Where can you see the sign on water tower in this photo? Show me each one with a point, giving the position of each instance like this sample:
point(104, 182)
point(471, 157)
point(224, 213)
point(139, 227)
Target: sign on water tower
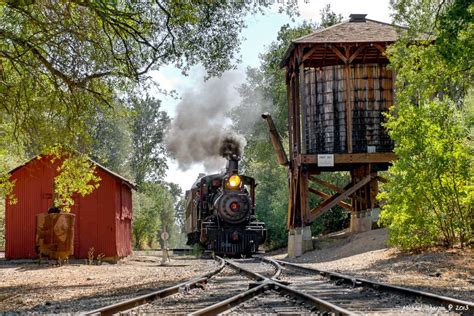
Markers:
point(325, 160)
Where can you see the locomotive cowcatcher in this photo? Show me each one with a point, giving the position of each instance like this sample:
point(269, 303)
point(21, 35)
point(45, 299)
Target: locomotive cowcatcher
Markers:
point(220, 213)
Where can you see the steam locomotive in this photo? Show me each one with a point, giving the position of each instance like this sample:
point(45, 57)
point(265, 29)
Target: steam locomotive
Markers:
point(220, 213)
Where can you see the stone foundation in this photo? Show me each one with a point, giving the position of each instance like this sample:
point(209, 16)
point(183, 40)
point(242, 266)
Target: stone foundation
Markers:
point(307, 239)
point(299, 241)
point(295, 242)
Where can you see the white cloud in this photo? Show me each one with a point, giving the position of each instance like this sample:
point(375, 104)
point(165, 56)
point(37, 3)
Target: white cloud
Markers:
point(167, 80)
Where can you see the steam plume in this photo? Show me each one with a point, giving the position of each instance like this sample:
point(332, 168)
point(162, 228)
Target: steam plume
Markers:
point(198, 133)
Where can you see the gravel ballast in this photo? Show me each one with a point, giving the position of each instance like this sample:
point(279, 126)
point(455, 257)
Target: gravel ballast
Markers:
point(27, 287)
point(366, 255)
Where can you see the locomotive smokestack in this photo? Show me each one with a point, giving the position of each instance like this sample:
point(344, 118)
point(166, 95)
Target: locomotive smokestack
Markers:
point(233, 164)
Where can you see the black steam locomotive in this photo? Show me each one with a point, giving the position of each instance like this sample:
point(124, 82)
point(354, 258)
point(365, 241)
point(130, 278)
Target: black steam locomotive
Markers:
point(220, 213)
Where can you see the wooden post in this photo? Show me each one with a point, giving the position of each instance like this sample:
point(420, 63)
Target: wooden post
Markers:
point(304, 198)
point(303, 114)
point(297, 118)
point(348, 104)
point(363, 199)
point(289, 89)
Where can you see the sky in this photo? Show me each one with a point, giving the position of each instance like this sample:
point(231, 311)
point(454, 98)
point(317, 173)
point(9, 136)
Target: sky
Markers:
point(260, 32)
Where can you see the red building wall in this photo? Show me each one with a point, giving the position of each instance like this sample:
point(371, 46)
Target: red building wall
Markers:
point(103, 218)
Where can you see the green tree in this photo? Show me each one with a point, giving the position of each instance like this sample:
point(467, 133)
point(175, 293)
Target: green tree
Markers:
point(179, 238)
point(177, 227)
point(146, 220)
point(153, 210)
point(62, 59)
point(111, 140)
point(428, 199)
point(329, 18)
point(76, 174)
point(148, 125)
point(63, 64)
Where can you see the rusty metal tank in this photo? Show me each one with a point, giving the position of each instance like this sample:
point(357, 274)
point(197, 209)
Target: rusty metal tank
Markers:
point(55, 235)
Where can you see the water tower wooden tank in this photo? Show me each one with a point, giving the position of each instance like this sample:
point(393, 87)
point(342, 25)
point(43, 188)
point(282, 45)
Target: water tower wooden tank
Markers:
point(339, 87)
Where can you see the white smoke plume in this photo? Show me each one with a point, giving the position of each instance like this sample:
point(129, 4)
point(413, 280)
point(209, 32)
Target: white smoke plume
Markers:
point(199, 132)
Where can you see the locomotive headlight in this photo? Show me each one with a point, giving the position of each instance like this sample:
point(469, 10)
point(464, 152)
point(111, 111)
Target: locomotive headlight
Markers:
point(234, 181)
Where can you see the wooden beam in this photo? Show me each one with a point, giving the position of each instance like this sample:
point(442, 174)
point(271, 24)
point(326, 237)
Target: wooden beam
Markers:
point(304, 197)
point(348, 105)
point(325, 196)
point(297, 117)
point(339, 54)
point(326, 184)
point(289, 97)
point(276, 140)
point(380, 48)
point(302, 117)
point(309, 53)
point(333, 187)
point(324, 55)
point(338, 197)
point(353, 158)
point(356, 53)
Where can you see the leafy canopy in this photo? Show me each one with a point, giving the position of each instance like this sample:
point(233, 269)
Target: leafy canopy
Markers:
point(428, 198)
point(65, 64)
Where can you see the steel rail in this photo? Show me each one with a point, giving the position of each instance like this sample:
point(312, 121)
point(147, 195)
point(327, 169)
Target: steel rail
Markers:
point(321, 304)
point(253, 275)
point(268, 284)
point(450, 303)
point(234, 300)
point(143, 299)
point(278, 268)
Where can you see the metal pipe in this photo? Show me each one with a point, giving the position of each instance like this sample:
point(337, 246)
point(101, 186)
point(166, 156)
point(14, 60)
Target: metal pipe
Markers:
point(276, 140)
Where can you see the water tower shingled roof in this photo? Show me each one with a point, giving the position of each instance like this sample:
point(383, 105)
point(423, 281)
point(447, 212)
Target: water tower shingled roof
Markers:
point(357, 29)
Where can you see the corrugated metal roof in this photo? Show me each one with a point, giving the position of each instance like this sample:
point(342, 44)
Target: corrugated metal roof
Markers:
point(129, 182)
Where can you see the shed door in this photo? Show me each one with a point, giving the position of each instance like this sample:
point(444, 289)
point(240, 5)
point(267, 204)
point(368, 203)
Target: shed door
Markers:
point(124, 229)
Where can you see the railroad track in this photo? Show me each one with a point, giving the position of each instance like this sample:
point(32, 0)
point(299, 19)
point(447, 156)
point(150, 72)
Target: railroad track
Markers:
point(259, 285)
point(368, 297)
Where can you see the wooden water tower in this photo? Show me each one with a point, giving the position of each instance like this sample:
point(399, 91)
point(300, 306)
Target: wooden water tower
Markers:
point(339, 87)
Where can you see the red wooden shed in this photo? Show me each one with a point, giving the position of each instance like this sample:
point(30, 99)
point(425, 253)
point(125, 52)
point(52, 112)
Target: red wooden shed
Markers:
point(103, 218)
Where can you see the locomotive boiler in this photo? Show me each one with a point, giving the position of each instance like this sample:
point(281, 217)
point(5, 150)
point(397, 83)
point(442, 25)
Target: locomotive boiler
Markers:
point(220, 213)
